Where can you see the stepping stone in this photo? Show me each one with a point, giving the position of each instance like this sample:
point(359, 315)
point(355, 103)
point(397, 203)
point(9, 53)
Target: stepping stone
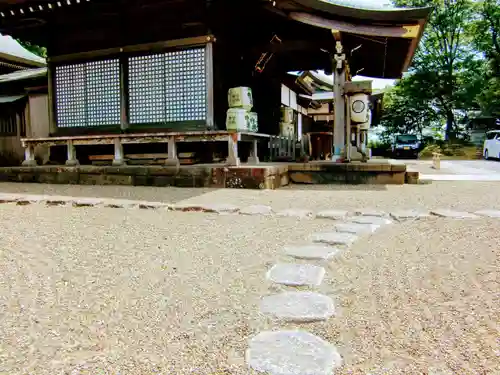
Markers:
point(298, 306)
point(257, 210)
point(335, 238)
point(296, 274)
point(86, 202)
point(312, 252)
point(332, 214)
point(371, 212)
point(292, 353)
point(355, 228)
point(409, 214)
point(374, 220)
point(454, 214)
point(489, 213)
point(297, 213)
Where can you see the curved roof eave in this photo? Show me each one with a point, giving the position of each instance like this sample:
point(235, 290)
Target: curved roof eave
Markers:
point(391, 15)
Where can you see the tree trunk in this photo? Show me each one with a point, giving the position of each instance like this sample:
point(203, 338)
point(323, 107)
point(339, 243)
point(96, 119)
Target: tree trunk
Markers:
point(450, 120)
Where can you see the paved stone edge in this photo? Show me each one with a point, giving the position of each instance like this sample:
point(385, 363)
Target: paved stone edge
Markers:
point(222, 208)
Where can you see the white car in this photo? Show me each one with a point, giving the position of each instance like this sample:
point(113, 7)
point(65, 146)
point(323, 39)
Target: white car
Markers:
point(491, 148)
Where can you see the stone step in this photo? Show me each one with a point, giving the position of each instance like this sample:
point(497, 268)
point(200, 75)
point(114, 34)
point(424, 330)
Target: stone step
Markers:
point(296, 274)
point(312, 252)
point(298, 306)
point(292, 353)
point(355, 228)
point(335, 238)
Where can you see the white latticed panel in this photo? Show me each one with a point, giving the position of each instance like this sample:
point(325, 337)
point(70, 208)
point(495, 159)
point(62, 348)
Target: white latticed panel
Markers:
point(70, 95)
point(88, 95)
point(168, 87)
point(103, 92)
point(147, 89)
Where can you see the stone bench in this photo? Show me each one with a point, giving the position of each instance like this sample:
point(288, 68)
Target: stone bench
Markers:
point(171, 138)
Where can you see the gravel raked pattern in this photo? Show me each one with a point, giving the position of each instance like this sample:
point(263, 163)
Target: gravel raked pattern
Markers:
point(89, 290)
point(89, 300)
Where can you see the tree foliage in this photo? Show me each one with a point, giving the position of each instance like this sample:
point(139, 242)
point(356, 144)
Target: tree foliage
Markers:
point(37, 50)
point(455, 69)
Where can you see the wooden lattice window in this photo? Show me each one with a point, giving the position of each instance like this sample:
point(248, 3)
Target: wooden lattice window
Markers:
point(168, 87)
point(88, 94)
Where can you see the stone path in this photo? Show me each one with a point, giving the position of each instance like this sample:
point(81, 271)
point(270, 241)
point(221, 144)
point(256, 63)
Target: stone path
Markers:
point(361, 216)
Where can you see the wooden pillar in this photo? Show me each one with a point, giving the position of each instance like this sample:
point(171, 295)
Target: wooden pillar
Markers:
point(51, 98)
point(209, 72)
point(124, 94)
point(339, 76)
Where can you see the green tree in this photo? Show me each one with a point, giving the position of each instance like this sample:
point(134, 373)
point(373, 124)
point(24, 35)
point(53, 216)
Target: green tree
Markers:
point(37, 50)
point(407, 110)
point(445, 61)
point(485, 33)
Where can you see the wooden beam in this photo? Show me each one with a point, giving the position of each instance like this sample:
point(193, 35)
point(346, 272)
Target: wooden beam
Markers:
point(147, 47)
point(413, 47)
point(404, 31)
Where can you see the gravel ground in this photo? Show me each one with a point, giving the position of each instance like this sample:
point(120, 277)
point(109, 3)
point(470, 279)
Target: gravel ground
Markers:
point(139, 292)
point(463, 195)
point(133, 291)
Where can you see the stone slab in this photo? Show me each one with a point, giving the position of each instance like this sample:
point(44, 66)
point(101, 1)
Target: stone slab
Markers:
point(409, 214)
point(355, 228)
point(335, 238)
point(489, 213)
point(312, 252)
point(332, 214)
point(298, 306)
point(145, 205)
point(86, 202)
point(292, 353)
point(220, 208)
point(256, 210)
point(8, 198)
point(296, 274)
point(374, 220)
point(454, 214)
point(120, 203)
point(296, 213)
point(371, 212)
point(28, 199)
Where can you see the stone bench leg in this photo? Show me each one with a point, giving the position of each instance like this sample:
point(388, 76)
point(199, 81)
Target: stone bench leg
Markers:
point(29, 156)
point(119, 158)
point(232, 148)
point(172, 153)
point(72, 160)
point(254, 155)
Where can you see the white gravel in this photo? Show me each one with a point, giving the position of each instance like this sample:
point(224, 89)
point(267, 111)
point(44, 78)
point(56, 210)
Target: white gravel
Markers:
point(460, 195)
point(105, 290)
